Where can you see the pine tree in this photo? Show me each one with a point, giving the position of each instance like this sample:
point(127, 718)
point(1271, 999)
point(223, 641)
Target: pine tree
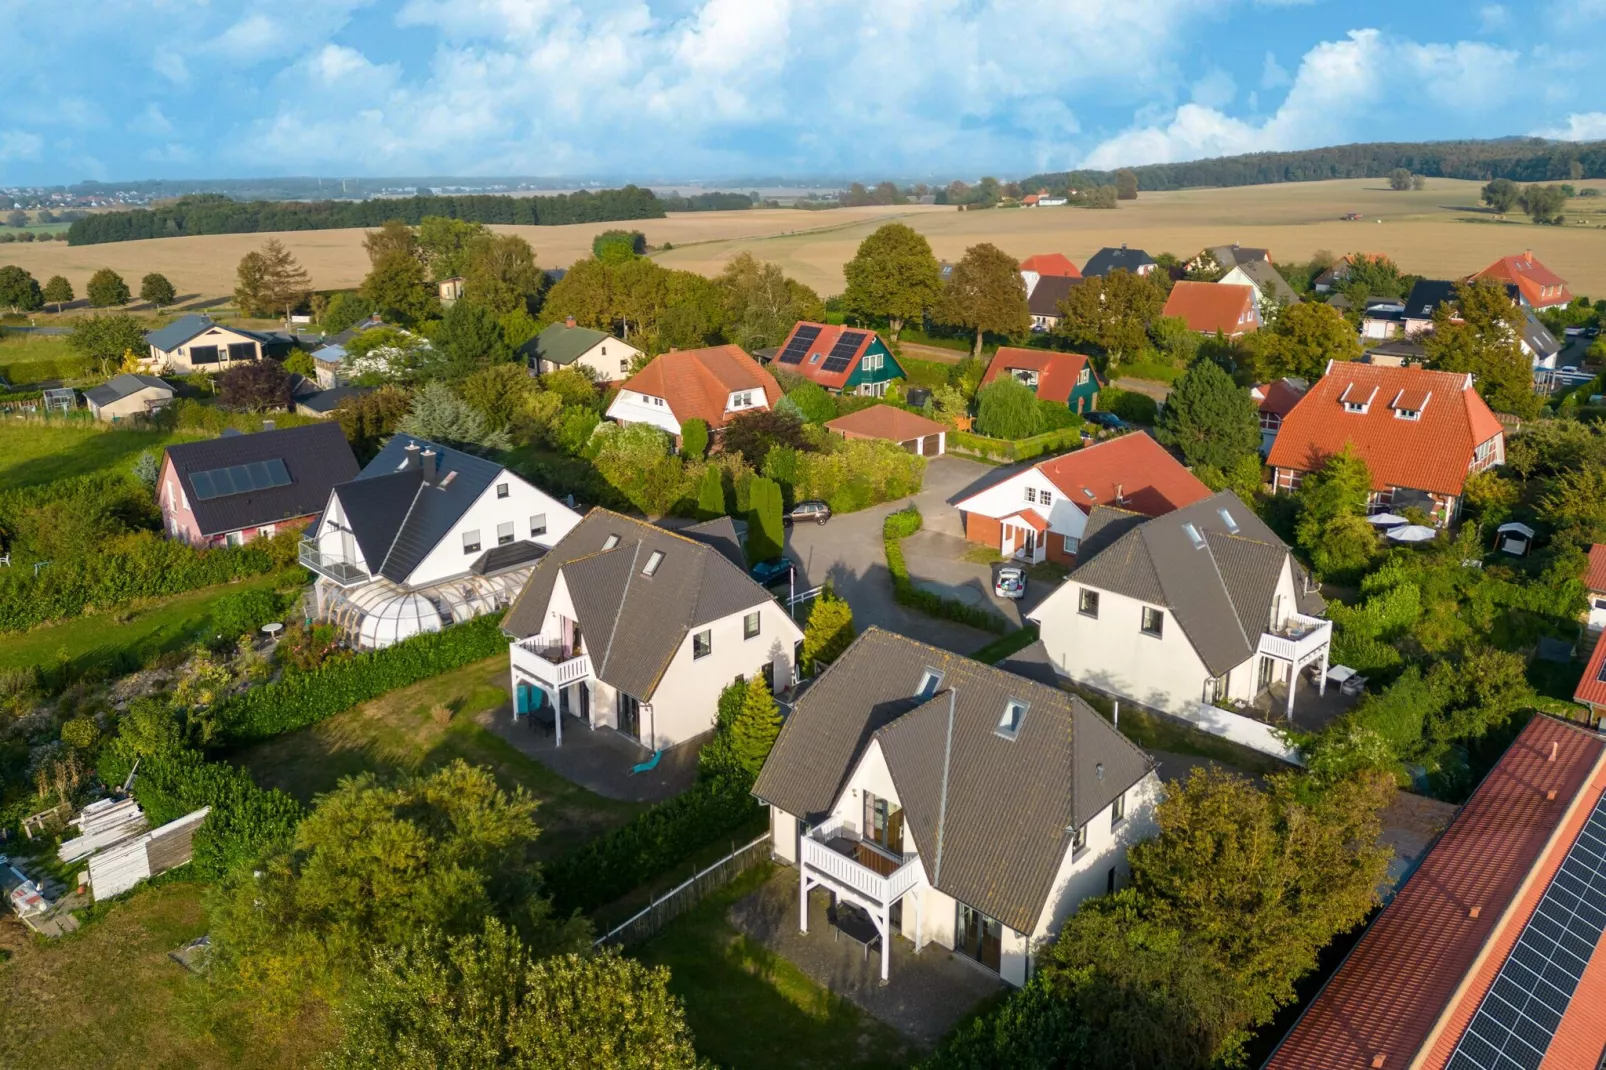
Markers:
point(755, 727)
point(711, 494)
point(1210, 418)
point(766, 536)
point(828, 633)
point(694, 438)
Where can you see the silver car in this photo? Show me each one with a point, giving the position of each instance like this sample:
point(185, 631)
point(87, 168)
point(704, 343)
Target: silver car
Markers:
point(1010, 582)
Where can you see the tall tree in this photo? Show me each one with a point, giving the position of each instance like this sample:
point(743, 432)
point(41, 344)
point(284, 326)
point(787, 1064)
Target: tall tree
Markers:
point(1112, 313)
point(154, 289)
point(251, 284)
point(1126, 185)
point(1332, 525)
point(107, 339)
point(440, 415)
point(256, 386)
point(894, 275)
point(829, 631)
point(766, 536)
point(985, 294)
point(398, 289)
point(1305, 337)
point(58, 291)
point(499, 272)
point(711, 494)
point(755, 726)
point(285, 283)
point(471, 338)
point(443, 243)
point(1545, 204)
point(107, 288)
point(1211, 419)
point(1502, 195)
point(613, 246)
point(1399, 179)
point(1006, 408)
point(1480, 333)
point(20, 290)
point(394, 238)
point(761, 303)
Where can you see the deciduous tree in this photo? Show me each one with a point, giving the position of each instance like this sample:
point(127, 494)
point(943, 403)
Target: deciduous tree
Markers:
point(255, 386)
point(893, 275)
point(1545, 204)
point(613, 246)
point(762, 304)
point(58, 291)
point(1332, 525)
point(1502, 195)
point(107, 288)
point(1126, 185)
point(369, 419)
point(1112, 313)
point(394, 237)
point(499, 272)
point(1481, 333)
point(398, 289)
point(1305, 337)
point(470, 338)
point(154, 289)
point(985, 293)
point(1399, 179)
point(1006, 408)
point(20, 290)
point(752, 434)
point(106, 338)
point(443, 242)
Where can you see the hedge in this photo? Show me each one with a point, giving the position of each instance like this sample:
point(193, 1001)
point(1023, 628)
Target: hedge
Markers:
point(899, 526)
point(299, 699)
point(137, 565)
point(611, 865)
point(1019, 449)
point(35, 369)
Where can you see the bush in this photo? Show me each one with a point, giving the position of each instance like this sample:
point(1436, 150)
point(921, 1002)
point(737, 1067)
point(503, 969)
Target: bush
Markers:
point(854, 474)
point(235, 615)
point(1129, 405)
point(1006, 408)
point(828, 633)
point(299, 699)
point(899, 526)
point(1022, 449)
point(694, 439)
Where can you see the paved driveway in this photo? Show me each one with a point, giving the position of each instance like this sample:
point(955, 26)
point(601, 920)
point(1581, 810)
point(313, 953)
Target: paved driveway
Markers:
point(847, 553)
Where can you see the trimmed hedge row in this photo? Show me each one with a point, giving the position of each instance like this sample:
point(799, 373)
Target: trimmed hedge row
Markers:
point(629, 856)
point(1019, 449)
point(899, 526)
point(299, 699)
point(33, 370)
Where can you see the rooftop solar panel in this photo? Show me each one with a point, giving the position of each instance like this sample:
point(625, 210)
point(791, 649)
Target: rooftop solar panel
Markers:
point(848, 344)
point(240, 478)
point(836, 364)
point(1517, 1020)
point(798, 346)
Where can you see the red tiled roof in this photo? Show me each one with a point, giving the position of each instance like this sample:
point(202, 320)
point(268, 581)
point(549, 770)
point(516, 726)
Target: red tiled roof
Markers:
point(1051, 264)
point(1030, 519)
point(1432, 453)
point(696, 383)
point(1591, 688)
point(1056, 372)
point(1208, 307)
point(1278, 398)
point(814, 360)
point(1531, 277)
point(1149, 479)
point(1422, 967)
point(1595, 574)
point(886, 421)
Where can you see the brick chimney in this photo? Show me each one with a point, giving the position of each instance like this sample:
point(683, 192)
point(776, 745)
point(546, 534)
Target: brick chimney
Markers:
point(428, 458)
point(568, 321)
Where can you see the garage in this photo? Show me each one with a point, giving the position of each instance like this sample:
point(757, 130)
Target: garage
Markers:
point(913, 432)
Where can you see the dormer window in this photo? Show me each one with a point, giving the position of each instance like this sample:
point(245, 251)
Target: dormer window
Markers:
point(1354, 401)
point(1408, 414)
point(1014, 713)
point(653, 562)
point(930, 681)
point(742, 400)
point(610, 542)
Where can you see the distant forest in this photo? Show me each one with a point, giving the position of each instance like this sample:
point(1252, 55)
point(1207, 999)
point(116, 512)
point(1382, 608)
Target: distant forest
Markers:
point(214, 213)
point(1521, 160)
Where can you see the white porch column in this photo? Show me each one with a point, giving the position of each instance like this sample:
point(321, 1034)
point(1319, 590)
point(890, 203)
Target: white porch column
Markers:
point(884, 924)
point(1321, 680)
point(1293, 680)
point(920, 921)
point(557, 715)
point(803, 894)
point(513, 678)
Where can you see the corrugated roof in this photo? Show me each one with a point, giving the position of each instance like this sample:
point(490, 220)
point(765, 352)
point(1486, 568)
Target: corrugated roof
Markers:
point(888, 422)
point(1432, 453)
point(697, 383)
point(996, 852)
point(633, 624)
point(1131, 470)
point(1209, 307)
point(1407, 972)
point(316, 457)
point(1056, 372)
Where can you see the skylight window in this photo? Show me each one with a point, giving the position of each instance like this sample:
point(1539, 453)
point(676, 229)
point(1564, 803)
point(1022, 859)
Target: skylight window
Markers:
point(1226, 518)
point(610, 542)
point(1194, 536)
point(1014, 713)
point(930, 680)
point(653, 562)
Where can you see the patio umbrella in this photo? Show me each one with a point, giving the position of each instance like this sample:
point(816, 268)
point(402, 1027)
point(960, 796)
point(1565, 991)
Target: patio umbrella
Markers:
point(1386, 520)
point(1412, 533)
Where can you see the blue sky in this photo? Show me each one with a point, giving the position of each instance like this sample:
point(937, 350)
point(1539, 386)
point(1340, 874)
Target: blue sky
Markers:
point(688, 89)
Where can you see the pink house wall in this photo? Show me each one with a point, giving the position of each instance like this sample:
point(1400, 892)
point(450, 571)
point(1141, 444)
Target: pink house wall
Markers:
point(178, 519)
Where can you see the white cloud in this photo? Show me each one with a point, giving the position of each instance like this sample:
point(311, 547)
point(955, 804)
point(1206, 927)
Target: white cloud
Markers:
point(152, 123)
point(1493, 17)
point(1585, 126)
point(249, 38)
point(20, 145)
point(170, 65)
point(1215, 90)
point(1272, 74)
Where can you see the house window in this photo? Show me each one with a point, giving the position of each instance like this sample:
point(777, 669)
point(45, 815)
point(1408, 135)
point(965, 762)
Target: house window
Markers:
point(1408, 414)
point(537, 525)
point(1031, 494)
point(203, 354)
point(242, 351)
point(743, 400)
point(1079, 840)
point(1088, 603)
point(624, 366)
point(471, 541)
point(501, 490)
point(1153, 621)
point(702, 644)
point(751, 625)
point(504, 533)
point(1118, 811)
point(658, 401)
point(1081, 377)
point(1014, 713)
point(1045, 497)
point(653, 562)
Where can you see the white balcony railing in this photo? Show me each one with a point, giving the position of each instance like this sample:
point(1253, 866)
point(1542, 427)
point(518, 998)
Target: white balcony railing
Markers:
point(1299, 640)
point(332, 566)
point(549, 662)
point(849, 873)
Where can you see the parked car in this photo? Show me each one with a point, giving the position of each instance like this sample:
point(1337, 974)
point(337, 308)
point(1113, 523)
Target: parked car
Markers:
point(815, 510)
point(1108, 420)
point(1010, 582)
point(769, 573)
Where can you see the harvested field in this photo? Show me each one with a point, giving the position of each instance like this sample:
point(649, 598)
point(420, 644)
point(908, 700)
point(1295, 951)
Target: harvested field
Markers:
point(1440, 231)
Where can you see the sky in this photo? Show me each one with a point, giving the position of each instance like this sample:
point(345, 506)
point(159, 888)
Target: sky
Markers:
point(689, 90)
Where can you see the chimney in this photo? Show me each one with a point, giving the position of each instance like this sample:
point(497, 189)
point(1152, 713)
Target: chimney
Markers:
point(1553, 746)
point(1120, 499)
point(1377, 1061)
point(568, 321)
point(1528, 255)
point(1474, 912)
point(410, 458)
point(428, 458)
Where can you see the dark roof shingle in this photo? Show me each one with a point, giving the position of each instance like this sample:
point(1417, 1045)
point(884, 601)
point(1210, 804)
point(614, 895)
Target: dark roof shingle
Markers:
point(317, 458)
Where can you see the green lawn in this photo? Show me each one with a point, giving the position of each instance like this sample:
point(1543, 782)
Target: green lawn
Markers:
point(927, 373)
point(750, 1009)
point(1161, 733)
point(144, 630)
point(1155, 371)
point(422, 727)
point(32, 451)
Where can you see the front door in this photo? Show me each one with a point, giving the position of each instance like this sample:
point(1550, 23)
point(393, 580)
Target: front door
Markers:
point(1028, 546)
point(978, 937)
point(1268, 666)
point(628, 709)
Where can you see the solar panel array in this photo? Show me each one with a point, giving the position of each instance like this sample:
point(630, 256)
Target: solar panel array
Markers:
point(1518, 1017)
point(841, 355)
point(221, 482)
point(798, 347)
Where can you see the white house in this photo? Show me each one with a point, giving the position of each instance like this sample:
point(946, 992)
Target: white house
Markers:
point(627, 626)
point(426, 536)
point(196, 343)
point(714, 385)
point(1201, 605)
point(952, 802)
point(566, 345)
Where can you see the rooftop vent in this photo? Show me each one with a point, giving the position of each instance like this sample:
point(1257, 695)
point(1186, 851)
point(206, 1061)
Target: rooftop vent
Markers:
point(1098, 771)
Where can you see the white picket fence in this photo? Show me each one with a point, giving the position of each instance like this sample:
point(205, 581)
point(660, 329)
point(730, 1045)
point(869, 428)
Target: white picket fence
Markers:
point(681, 898)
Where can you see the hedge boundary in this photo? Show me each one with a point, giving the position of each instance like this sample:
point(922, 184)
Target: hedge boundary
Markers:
point(899, 526)
point(1019, 449)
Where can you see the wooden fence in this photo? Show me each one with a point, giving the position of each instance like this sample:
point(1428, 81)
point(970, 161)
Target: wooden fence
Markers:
point(675, 902)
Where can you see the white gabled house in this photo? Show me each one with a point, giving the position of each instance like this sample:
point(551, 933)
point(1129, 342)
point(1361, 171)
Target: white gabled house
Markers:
point(1198, 606)
point(426, 536)
point(628, 626)
point(952, 802)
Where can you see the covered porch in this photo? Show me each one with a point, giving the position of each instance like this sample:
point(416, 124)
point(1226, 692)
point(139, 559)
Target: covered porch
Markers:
point(1285, 652)
point(1024, 537)
point(871, 877)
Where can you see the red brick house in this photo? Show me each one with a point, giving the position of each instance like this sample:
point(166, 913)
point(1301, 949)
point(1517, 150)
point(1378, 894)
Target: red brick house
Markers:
point(229, 490)
point(1420, 432)
point(1274, 401)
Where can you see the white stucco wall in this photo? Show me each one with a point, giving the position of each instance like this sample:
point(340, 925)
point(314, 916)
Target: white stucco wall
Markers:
point(524, 500)
point(1009, 497)
point(177, 359)
point(604, 358)
point(783, 835)
point(630, 407)
point(1086, 873)
point(331, 542)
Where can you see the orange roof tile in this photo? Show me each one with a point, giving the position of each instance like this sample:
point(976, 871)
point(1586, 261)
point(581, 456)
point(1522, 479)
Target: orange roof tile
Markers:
point(1030, 519)
point(1208, 307)
point(1531, 277)
point(1431, 453)
point(1591, 688)
point(1132, 471)
point(697, 383)
point(1051, 264)
point(1056, 372)
point(813, 363)
point(1412, 983)
point(1595, 574)
point(886, 421)
point(1279, 397)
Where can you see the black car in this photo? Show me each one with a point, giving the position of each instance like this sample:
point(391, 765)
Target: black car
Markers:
point(816, 511)
point(770, 573)
point(1108, 420)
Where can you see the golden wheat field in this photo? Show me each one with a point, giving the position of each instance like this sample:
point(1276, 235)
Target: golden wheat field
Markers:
point(1439, 231)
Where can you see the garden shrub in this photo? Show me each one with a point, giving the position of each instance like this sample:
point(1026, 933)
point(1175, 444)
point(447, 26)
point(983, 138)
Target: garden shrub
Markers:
point(1129, 405)
point(899, 526)
point(854, 474)
point(243, 613)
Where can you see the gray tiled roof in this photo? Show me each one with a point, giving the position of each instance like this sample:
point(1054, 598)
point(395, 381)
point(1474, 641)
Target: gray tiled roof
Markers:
point(1264, 274)
point(1110, 259)
point(179, 331)
point(633, 624)
point(991, 816)
point(317, 458)
point(1219, 593)
point(119, 387)
point(1048, 293)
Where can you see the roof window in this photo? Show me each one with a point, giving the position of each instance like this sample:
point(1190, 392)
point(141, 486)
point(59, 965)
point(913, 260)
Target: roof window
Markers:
point(1014, 713)
point(1194, 536)
point(930, 680)
point(653, 562)
point(610, 542)
point(1226, 518)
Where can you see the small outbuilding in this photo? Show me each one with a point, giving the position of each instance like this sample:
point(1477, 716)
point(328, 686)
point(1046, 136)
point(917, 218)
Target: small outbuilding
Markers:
point(123, 396)
point(1514, 538)
point(928, 438)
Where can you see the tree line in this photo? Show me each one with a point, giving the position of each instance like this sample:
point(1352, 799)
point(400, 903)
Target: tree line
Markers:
point(212, 213)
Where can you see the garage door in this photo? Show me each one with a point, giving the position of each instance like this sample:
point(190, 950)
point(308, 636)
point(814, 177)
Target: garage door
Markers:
point(931, 444)
point(912, 445)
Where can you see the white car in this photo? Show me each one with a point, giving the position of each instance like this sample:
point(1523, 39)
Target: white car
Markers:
point(1010, 582)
